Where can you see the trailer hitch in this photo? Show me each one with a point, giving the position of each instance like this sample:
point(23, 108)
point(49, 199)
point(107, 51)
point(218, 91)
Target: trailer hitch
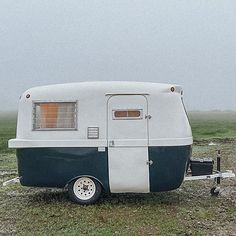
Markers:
point(217, 176)
point(11, 181)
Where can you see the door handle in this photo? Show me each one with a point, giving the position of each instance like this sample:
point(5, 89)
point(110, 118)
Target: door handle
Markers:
point(149, 162)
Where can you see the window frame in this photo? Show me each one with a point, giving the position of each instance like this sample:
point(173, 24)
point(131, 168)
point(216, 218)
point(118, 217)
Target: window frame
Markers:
point(127, 118)
point(54, 129)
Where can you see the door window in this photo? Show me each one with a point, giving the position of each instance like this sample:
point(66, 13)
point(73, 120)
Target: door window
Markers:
point(130, 114)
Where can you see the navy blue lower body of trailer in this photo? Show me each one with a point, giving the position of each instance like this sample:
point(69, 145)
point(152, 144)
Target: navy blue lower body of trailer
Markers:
point(56, 167)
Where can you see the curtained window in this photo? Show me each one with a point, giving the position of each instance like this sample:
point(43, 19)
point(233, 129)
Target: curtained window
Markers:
point(55, 115)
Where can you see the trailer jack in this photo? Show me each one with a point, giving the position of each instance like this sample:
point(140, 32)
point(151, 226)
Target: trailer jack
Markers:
point(217, 176)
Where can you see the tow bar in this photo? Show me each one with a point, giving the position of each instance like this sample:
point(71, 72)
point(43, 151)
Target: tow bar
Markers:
point(217, 176)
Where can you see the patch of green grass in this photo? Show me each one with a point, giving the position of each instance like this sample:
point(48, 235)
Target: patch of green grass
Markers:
point(211, 125)
point(7, 131)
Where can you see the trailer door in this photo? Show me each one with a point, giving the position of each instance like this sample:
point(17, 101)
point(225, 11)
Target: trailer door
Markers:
point(128, 143)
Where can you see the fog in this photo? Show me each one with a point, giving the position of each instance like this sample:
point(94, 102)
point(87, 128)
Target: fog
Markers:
point(192, 43)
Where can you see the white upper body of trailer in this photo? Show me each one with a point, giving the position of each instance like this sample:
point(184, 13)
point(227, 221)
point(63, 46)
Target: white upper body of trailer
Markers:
point(169, 125)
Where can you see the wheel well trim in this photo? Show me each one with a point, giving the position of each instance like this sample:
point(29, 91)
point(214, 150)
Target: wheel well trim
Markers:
point(80, 176)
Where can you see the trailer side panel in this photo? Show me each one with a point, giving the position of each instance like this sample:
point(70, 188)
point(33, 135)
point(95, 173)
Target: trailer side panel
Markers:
point(168, 168)
point(54, 167)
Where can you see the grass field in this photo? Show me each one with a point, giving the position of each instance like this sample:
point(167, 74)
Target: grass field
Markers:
point(208, 125)
point(189, 210)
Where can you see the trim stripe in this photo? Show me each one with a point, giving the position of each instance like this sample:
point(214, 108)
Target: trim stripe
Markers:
point(26, 143)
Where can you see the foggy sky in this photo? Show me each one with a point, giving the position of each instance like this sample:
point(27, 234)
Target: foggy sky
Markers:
point(192, 43)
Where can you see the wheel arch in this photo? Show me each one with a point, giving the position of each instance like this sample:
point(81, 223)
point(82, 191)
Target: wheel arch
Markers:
point(80, 176)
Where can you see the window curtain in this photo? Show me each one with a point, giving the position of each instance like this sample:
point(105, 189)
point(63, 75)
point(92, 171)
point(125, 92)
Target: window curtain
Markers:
point(48, 115)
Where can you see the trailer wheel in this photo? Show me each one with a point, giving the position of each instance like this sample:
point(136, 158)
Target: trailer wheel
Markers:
point(215, 191)
point(84, 190)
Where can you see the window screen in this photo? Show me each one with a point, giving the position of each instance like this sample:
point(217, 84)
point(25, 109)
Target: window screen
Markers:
point(55, 115)
point(127, 114)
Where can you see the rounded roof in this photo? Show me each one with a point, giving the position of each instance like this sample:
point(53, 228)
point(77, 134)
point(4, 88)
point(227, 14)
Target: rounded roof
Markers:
point(106, 87)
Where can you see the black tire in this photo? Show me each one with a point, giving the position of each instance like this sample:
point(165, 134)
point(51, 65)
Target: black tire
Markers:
point(84, 190)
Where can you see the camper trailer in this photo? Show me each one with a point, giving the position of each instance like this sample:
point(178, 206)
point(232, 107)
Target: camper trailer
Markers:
point(115, 137)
